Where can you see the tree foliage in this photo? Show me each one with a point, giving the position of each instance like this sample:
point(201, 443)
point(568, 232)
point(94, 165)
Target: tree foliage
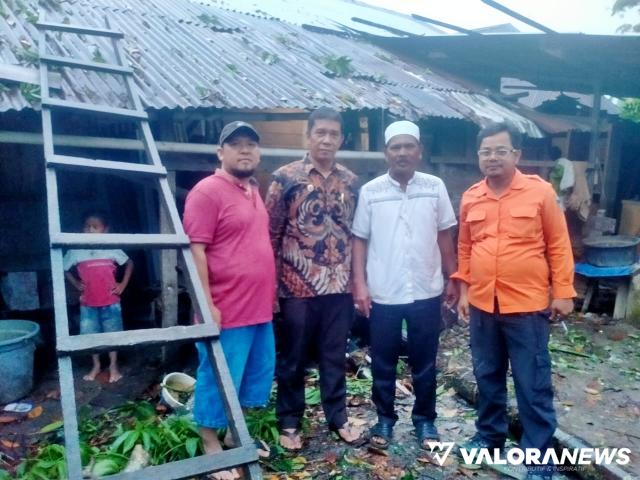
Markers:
point(631, 109)
point(624, 7)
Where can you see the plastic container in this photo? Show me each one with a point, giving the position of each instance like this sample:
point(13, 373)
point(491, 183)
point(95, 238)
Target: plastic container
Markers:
point(611, 251)
point(176, 384)
point(17, 344)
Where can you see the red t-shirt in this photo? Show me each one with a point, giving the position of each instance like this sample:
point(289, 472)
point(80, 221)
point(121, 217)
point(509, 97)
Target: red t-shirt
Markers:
point(96, 269)
point(234, 224)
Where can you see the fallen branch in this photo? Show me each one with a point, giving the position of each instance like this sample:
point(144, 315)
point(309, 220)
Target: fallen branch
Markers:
point(570, 352)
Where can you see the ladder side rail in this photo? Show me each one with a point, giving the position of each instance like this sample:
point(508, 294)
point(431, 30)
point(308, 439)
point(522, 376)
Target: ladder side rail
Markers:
point(65, 367)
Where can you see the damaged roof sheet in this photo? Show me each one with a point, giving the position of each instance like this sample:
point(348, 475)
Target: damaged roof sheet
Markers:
point(193, 55)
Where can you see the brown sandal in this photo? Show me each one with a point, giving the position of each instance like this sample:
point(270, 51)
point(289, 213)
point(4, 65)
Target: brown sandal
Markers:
point(293, 436)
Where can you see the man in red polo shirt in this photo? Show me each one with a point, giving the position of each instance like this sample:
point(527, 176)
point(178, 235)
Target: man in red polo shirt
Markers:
point(228, 226)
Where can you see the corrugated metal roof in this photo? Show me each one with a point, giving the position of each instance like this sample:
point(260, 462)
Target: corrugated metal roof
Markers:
point(535, 98)
point(192, 55)
point(331, 14)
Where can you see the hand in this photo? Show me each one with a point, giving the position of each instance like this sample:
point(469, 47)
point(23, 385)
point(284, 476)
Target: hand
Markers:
point(80, 286)
point(361, 298)
point(117, 289)
point(560, 307)
point(451, 294)
point(463, 309)
point(215, 313)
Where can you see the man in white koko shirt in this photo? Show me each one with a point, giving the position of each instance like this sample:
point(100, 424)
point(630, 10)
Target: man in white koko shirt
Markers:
point(402, 240)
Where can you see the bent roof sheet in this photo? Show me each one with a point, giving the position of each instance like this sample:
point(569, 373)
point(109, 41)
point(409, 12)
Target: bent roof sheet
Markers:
point(191, 55)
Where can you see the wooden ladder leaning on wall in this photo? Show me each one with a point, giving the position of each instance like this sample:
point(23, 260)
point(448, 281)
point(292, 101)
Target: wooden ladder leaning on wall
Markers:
point(245, 455)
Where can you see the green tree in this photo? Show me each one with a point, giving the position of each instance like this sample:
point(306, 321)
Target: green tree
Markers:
point(623, 7)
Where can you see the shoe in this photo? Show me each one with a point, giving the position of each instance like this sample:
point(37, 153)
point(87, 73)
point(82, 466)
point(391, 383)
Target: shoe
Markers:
point(477, 442)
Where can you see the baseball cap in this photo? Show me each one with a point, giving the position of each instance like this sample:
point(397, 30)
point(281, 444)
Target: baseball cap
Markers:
point(230, 129)
point(403, 127)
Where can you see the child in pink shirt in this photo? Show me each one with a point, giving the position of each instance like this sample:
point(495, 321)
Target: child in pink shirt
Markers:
point(100, 309)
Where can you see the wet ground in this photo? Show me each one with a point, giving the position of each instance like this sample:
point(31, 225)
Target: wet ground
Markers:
point(596, 365)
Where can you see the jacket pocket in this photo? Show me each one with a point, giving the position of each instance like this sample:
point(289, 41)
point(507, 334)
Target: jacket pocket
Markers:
point(524, 222)
point(477, 224)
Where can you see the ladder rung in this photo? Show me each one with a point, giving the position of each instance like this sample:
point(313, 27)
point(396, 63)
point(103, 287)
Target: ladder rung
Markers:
point(87, 107)
point(104, 342)
point(118, 240)
point(63, 27)
point(83, 164)
point(97, 66)
point(191, 467)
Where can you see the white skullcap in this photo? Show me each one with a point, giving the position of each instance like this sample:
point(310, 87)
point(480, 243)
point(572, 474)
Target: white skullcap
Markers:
point(403, 127)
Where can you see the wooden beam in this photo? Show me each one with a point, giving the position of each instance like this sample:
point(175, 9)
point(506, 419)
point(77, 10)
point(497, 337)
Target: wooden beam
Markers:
point(165, 147)
point(105, 342)
point(95, 108)
point(118, 240)
point(20, 74)
point(78, 29)
point(96, 165)
point(168, 275)
point(192, 467)
point(84, 65)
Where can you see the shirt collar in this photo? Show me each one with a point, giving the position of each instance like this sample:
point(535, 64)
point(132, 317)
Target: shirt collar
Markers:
point(396, 183)
point(517, 183)
point(233, 180)
point(308, 165)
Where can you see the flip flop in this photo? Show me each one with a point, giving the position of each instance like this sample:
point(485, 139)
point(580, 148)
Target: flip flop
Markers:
point(292, 436)
point(356, 442)
point(384, 433)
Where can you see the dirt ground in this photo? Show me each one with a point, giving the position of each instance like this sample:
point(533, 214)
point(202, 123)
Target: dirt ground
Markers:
point(596, 376)
point(596, 366)
point(19, 431)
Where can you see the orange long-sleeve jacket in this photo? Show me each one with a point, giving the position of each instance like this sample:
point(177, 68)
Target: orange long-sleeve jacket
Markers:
point(514, 248)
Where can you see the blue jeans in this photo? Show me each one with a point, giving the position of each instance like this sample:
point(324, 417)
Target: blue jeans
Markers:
point(100, 319)
point(250, 354)
point(423, 335)
point(521, 340)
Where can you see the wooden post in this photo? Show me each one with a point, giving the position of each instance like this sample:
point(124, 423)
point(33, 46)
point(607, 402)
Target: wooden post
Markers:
point(169, 275)
point(594, 144)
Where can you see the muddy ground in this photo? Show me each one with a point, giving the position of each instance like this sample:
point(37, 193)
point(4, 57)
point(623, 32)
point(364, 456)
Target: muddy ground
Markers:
point(596, 365)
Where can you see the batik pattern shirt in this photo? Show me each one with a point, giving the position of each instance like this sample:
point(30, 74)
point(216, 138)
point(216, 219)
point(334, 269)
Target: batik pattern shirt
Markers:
point(310, 227)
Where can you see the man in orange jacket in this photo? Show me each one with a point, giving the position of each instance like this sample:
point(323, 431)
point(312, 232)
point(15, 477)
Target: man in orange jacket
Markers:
point(514, 254)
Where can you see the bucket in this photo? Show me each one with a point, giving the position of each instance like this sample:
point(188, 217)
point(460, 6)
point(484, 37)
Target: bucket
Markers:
point(17, 344)
point(611, 251)
point(177, 391)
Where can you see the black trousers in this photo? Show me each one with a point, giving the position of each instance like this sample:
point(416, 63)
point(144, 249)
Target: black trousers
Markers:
point(423, 335)
point(319, 324)
point(521, 339)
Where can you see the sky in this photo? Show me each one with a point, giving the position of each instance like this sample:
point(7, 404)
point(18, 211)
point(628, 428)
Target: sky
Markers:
point(585, 16)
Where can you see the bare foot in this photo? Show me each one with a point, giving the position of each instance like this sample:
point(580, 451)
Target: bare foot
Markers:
point(290, 439)
point(114, 375)
point(264, 451)
point(91, 376)
point(212, 445)
point(349, 433)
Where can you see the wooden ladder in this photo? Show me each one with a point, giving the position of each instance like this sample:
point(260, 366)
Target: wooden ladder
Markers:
point(245, 455)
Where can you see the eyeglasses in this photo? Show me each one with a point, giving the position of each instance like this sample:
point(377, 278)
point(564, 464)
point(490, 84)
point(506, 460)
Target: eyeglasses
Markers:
point(498, 152)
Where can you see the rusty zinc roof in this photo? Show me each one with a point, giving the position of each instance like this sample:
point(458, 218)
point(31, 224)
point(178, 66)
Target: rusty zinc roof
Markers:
point(194, 55)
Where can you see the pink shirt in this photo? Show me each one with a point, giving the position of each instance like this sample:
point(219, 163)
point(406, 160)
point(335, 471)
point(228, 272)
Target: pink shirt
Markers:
point(233, 222)
point(96, 269)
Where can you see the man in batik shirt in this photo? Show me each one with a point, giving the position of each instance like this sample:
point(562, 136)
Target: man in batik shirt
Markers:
point(311, 203)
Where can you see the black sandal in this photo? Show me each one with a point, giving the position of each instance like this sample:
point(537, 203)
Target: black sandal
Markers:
point(426, 431)
point(383, 432)
point(356, 442)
